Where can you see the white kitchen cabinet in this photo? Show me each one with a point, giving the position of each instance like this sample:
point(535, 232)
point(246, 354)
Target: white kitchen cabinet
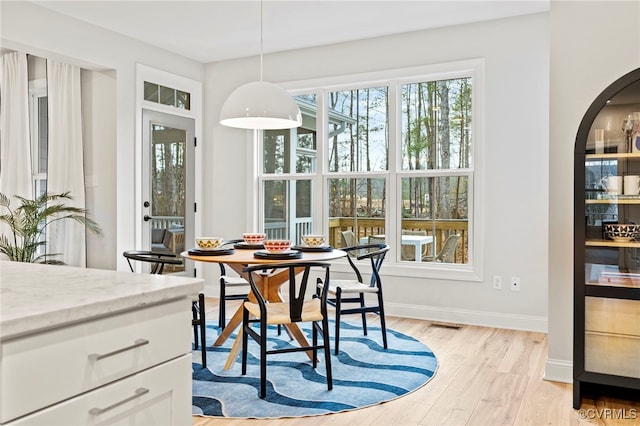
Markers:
point(125, 360)
point(156, 396)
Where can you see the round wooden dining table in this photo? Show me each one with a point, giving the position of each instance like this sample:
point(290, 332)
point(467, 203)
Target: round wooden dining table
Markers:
point(268, 283)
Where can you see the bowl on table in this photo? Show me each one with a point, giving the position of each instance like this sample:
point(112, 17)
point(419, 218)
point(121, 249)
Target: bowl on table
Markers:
point(253, 237)
point(209, 243)
point(277, 246)
point(313, 240)
point(622, 231)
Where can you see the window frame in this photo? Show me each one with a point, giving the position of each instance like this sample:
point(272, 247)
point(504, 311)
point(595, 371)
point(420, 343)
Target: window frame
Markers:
point(37, 90)
point(394, 79)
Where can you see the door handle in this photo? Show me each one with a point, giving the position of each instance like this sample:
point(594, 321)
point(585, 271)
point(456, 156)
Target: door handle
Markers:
point(147, 218)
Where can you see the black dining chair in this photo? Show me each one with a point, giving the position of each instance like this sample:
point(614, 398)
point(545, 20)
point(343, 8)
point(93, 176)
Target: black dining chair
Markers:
point(301, 305)
point(228, 281)
point(352, 291)
point(157, 262)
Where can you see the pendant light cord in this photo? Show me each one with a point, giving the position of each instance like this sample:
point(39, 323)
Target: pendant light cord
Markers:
point(261, 42)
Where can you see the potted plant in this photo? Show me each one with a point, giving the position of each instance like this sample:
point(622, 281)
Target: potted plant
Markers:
point(29, 221)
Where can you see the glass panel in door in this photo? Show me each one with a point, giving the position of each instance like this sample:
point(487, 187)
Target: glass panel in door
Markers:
point(170, 184)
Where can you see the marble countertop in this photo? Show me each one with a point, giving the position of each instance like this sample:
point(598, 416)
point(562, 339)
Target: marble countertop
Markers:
point(35, 297)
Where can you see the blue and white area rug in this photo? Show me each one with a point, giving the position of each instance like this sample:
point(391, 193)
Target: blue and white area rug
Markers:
point(364, 374)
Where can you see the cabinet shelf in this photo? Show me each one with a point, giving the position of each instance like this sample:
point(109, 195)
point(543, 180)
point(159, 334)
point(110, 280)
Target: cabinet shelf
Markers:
point(613, 156)
point(611, 243)
point(614, 201)
point(595, 288)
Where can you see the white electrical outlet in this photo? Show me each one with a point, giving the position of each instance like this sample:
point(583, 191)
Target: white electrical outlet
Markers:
point(497, 282)
point(515, 283)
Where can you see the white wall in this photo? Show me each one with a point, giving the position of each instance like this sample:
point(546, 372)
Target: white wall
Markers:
point(99, 136)
point(32, 29)
point(592, 45)
point(516, 53)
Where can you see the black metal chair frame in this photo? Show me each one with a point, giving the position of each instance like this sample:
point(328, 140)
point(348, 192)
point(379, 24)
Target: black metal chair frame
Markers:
point(157, 261)
point(298, 286)
point(376, 254)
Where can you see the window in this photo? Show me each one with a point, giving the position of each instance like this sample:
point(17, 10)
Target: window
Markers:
point(394, 159)
point(358, 163)
point(39, 137)
point(39, 134)
point(288, 203)
point(437, 165)
point(166, 96)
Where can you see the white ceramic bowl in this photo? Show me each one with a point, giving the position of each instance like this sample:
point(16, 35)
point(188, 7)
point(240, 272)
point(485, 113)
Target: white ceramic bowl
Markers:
point(253, 237)
point(313, 240)
point(277, 246)
point(622, 231)
point(209, 243)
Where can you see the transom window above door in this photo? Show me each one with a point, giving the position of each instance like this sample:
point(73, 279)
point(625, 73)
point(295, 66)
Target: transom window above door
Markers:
point(166, 95)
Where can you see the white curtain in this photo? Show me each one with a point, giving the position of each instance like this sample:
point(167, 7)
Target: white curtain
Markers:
point(65, 160)
point(15, 148)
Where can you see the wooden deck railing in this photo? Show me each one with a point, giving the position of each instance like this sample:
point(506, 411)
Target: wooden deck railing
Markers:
point(441, 228)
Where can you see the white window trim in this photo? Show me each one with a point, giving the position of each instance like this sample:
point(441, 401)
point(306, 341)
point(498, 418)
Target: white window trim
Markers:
point(37, 89)
point(474, 68)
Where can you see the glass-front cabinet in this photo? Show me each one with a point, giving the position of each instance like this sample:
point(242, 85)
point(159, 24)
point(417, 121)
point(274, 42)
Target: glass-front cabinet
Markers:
point(607, 244)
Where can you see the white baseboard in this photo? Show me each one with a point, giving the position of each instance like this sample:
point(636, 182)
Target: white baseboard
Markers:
point(462, 316)
point(558, 370)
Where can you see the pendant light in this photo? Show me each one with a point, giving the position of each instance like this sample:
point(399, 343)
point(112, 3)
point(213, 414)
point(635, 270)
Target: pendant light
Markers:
point(260, 105)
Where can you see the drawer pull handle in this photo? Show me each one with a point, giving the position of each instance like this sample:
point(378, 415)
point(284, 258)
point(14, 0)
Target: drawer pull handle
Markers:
point(137, 344)
point(138, 393)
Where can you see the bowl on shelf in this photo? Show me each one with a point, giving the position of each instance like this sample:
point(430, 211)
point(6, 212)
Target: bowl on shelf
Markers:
point(622, 231)
point(253, 237)
point(313, 240)
point(277, 246)
point(209, 243)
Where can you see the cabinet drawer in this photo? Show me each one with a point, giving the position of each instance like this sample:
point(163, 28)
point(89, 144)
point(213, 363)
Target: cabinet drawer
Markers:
point(618, 316)
point(41, 369)
point(158, 396)
point(612, 354)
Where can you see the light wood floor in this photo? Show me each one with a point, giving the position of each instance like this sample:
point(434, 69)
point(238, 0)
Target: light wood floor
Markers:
point(486, 376)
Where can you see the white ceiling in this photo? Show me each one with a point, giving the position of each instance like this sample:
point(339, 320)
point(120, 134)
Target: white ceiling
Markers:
point(215, 30)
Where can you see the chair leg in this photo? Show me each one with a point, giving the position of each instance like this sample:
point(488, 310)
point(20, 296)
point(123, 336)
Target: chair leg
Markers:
point(338, 307)
point(327, 352)
point(314, 343)
point(363, 314)
point(222, 302)
point(263, 358)
point(194, 315)
point(245, 339)
point(383, 325)
point(203, 330)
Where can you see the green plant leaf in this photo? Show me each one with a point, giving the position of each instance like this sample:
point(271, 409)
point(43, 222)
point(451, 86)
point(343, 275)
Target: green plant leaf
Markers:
point(29, 221)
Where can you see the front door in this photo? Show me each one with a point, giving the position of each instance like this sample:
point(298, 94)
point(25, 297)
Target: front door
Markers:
point(168, 183)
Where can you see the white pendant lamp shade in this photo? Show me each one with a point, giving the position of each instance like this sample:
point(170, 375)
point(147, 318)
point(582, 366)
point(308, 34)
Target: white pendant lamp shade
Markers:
point(260, 105)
